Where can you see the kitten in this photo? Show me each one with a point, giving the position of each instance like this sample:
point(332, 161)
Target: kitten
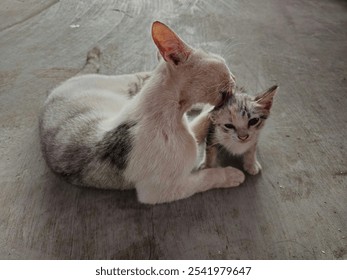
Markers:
point(235, 125)
point(94, 135)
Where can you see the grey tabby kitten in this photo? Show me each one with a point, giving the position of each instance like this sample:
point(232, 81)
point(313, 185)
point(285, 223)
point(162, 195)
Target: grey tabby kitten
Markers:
point(236, 126)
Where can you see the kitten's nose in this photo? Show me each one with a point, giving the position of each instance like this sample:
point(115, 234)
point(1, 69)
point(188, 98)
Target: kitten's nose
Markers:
point(243, 137)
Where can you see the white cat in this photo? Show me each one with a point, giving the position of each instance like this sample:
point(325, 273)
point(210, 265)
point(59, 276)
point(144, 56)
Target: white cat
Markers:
point(94, 135)
point(235, 125)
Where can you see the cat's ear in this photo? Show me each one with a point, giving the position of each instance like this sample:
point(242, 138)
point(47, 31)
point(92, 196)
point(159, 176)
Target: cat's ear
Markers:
point(212, 115)
point(265, 99)
point(170, 46)
point(159, 57)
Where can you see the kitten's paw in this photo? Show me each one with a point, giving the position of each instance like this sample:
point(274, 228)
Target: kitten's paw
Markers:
point(252, 168)
point(234, 177)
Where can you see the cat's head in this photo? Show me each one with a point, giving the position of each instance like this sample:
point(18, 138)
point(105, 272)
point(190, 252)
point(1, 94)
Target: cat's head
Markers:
point(201, 76)
point(241, 118)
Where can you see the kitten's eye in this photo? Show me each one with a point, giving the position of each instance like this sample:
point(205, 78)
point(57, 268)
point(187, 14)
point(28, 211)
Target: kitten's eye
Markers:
point(229, 126)
point(253, 121)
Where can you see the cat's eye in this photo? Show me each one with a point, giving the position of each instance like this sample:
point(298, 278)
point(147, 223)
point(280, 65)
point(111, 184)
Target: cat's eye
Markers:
point(229, 126)
point(253, 121)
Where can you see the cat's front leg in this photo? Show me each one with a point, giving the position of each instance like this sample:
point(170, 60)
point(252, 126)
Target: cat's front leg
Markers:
point(250, 162)
point(199, 181)
point(210, 158)
point(200, 126)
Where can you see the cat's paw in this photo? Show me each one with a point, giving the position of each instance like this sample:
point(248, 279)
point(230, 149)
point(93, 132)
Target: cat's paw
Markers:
point(252, 168)
point(202, 165)
point(234, 177)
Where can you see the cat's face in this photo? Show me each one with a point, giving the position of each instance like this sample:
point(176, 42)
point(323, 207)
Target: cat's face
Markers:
point(240, 120)
point(210, 80)
point(200, 76)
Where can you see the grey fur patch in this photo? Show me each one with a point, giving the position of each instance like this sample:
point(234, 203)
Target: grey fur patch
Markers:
point(117, 144)
point(74, 159)
point(69, 160)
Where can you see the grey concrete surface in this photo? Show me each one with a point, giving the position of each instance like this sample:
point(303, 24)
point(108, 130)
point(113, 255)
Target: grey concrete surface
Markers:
point(295, 209)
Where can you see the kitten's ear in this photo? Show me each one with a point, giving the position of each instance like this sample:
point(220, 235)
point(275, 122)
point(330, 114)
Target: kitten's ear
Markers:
point(265, 99)
point(170, 46)
point(212, 116)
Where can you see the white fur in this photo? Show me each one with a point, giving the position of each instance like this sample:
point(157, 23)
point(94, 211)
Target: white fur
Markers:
point(161, 163)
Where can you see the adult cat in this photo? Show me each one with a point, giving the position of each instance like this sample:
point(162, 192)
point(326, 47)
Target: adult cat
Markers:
point(93, 135)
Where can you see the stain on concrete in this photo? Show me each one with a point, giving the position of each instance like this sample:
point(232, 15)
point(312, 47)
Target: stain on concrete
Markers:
point(7, 78)
point(56, 73)
point(143, 249)
point(340, 253)
point(235, 213)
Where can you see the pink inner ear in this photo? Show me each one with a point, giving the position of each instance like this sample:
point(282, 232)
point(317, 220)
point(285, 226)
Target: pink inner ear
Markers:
point(174, 58)
point(174, 51)
point(162, 53)
point(267, 105)
point(170, 46)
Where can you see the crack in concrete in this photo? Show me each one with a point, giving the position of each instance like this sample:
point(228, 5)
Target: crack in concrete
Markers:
point(151, 243)
point(123, 12)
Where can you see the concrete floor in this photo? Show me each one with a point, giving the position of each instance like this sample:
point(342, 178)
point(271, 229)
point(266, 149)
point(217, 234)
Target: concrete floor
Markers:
point(297, 207)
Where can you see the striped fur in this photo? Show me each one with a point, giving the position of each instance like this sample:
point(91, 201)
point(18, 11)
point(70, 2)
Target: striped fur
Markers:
point(236, 126)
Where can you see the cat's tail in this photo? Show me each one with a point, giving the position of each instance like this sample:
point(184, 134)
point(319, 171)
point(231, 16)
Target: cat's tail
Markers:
point(92, 65)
